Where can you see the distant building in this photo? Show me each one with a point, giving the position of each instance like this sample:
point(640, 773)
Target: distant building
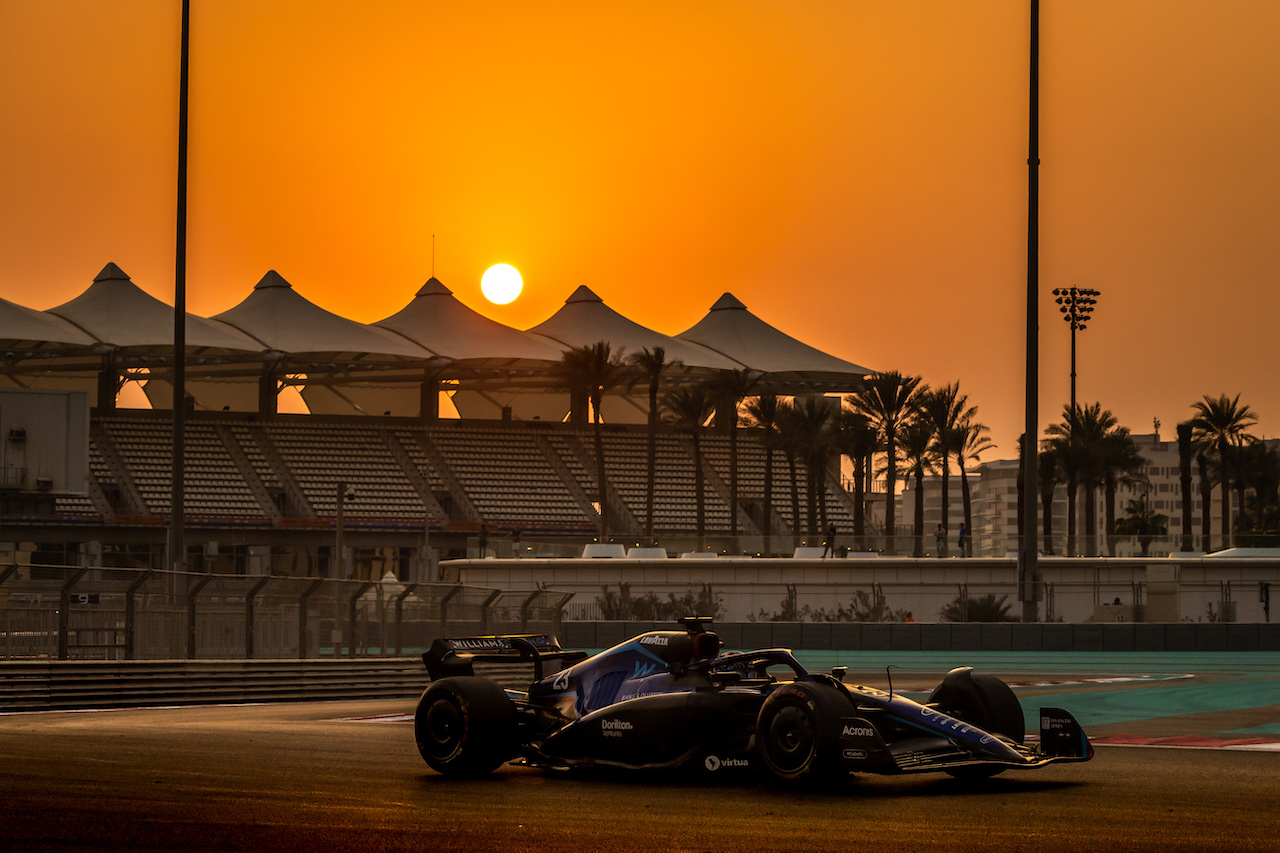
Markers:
point(995, 505)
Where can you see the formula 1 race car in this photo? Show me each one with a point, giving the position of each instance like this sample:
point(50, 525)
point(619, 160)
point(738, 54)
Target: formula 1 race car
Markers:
point(669, 699)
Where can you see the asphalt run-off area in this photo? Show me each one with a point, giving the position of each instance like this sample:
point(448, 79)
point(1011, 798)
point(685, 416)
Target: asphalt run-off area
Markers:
point(1185, 761)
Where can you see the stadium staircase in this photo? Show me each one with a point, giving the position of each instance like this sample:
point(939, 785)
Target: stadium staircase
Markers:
point(746, 524)
point(571, 482)
point(256, 487)
point(294, 495)
point(130, 497)
point(420, 483)
point(622, 521)
point(463, 506)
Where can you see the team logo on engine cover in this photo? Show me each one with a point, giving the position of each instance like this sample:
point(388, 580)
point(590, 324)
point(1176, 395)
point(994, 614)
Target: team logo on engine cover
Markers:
point(615, 728)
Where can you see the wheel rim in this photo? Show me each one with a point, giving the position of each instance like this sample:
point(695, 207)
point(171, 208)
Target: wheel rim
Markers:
point(443, 728)
point(791, 738)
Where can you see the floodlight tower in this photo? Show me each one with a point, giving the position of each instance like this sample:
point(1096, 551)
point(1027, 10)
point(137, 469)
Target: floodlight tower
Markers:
point(1076, 304)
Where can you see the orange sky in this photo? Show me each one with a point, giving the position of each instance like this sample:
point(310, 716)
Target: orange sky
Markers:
point(853, 171)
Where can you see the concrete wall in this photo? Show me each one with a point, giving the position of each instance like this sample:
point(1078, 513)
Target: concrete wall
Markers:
point(1193, 588)
point(970, 636)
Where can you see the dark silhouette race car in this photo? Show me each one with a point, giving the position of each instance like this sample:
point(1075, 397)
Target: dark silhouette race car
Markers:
point(671, 699)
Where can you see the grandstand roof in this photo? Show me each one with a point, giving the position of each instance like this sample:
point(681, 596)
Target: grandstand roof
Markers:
point(441, 324)
point(347, 366)
point(585, 319)
point(117, 312)
point(27, 329)
point(733, 331)
point(282, 320)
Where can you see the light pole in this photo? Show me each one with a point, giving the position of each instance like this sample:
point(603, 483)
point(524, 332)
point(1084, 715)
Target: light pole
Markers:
point(1076, 304)
point(1028, 563)
point(344, 494)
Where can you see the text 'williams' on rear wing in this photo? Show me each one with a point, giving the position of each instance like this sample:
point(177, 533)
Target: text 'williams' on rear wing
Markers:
point(455, 656)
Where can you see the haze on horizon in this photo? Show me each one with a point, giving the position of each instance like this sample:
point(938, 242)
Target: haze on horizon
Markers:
point(855, 172)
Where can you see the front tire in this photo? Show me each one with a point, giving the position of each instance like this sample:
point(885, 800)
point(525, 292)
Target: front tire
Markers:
point(797, 733)
point(986, 702)
point(465, 726)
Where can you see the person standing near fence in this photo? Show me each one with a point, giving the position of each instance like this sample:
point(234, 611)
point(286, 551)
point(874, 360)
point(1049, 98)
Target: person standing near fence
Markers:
point(829, 546)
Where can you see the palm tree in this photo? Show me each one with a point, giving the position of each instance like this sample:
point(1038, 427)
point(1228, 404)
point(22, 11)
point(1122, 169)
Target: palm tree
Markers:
point(856, 438)
point(729, 387)
point(688, 409)
point(1049, 475)
point(1079, 442)
point(1140, 521)
point(1122, 464)
point(811, 425)
point(652, 363)
point(1259, 473)
point(1206, 498)
point(918, 458)
point(971, 442)
point(789, 444)
point(944, 409)
point(1068, 455)
point(1219, 425)
point(1184, 477)
point(889, 401)
point(588, 372)
point(764, 412)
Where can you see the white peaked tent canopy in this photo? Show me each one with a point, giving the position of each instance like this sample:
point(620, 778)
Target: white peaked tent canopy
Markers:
point(441, 324)
point(298, 337)
point(480, 352)
point(284, 321)
point(585, 319)
point(134, 331)
point(733, 331)
point(24, 328)
point(117, 312)
point(33, 343)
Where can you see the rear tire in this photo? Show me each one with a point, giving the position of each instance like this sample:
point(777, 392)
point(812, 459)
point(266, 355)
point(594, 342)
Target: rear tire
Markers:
point(465, 726)
point(986, 702)
point(797, 733)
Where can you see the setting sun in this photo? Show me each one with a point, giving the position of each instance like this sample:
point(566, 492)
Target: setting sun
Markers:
point(501, 283)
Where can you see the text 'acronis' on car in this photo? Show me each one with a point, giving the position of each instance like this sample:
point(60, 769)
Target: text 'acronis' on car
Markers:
point(670, 699)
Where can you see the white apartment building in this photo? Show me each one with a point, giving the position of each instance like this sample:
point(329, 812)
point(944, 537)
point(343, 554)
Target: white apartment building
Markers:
point(995, 505)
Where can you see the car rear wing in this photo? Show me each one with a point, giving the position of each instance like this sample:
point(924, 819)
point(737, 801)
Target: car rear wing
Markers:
point(453, 656)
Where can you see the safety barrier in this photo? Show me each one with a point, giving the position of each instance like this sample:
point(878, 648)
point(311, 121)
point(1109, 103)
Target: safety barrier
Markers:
point(60, 685)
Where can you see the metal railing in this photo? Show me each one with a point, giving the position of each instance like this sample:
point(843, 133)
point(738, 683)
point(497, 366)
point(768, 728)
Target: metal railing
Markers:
point(82, 613)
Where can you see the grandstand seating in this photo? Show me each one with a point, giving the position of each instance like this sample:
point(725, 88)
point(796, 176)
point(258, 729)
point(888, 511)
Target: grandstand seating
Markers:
point(751, 462)
point(213, 484)
point(674, 498)
point(319, 455)
point(509, 475)
point(508, 479)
